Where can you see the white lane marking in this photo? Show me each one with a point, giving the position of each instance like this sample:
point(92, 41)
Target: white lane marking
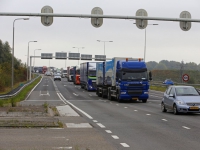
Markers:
point(164, 119)
point(65, 85)
point(115, 137)
point(79, 125)
point(148, 114)
point(62, 147)
point(135, 110)
point(124, 145)
point(99, 124)
point(186, 127)
point(95, 121)
point(108, 131)
point(61, 98)
point(87, 115)
point(75, 94)
point(90, 94)
point(125, 107)
point(44, 94)
point(117, 104)
point(33, 89)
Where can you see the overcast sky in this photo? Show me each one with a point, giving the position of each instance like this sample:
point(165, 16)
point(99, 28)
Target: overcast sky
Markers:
point(165, 41)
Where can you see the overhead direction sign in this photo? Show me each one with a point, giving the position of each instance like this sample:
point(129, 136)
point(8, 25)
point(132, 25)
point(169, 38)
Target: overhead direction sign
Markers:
point(47, 20)
point(185, 77)
point(100, 57)
point(86, 57)
point(46, 55)
point(61, 55)
point(74, 56)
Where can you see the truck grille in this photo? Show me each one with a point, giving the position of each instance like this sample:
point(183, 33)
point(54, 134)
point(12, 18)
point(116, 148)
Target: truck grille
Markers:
point(138, 85)
point(134, 92)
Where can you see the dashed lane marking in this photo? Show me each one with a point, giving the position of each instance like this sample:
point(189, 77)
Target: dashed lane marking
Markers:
point(186, 127)
point(90, 94)
point(115, 137)
point(164, 119)
point(135, 110)
point(75, 94)
point(125, 107)
point(108, 131)
point(117, 104)
point(148, 114)
point(124, 145)
point(95, 121)
point(99, 124)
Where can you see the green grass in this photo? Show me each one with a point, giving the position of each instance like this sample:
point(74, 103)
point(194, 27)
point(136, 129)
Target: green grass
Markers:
point(21, 96)
point(158, 88)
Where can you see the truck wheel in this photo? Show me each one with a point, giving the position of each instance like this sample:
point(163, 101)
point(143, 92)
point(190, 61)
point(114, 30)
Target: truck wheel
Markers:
point(109, 95)
point(118, 98)
point(144, 100)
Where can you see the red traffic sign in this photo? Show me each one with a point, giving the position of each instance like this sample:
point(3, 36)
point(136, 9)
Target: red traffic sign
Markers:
point(185, 77)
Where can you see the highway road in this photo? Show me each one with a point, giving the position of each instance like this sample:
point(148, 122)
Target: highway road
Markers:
point(128, 125)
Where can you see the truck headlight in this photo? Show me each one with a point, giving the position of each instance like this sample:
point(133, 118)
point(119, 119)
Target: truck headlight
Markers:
point(90, 87)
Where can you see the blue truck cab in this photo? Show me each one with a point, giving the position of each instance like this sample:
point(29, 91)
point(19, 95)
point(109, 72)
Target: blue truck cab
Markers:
point(88, 76)
point(124, 79)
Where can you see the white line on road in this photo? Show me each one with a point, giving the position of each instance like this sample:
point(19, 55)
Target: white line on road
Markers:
point(61, 98)
point(115, 137)
point(75, 94)
point(124, 145)
point(72, 105)
point(186, 127)
point(108, 131)
point(164, 119)
point(65, 85)
point(125, 107)
point(117, 104)
point(90, 94)
point(135, 110)
point(148, 114)
point(95, 121)
point(99, 124)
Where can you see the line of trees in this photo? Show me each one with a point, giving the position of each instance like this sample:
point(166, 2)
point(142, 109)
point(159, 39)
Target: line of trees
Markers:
point(6, 65)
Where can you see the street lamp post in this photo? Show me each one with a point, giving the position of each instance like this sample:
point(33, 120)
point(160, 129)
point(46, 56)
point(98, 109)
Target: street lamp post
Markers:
point(78, 51)
point(104, 44)
point(34, 57)
point(28, 58)
point(145, 40)
point(12, 78)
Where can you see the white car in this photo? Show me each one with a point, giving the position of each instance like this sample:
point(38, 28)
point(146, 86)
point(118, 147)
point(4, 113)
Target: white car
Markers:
point(57, 77)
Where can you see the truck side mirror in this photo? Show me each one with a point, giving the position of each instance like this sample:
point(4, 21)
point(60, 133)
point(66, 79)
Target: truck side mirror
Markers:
point(150, 75)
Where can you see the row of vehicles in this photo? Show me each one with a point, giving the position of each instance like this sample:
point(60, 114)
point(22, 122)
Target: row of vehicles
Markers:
point(119, 78)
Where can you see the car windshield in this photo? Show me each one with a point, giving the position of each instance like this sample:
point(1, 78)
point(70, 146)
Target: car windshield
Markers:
point(168, 80)
point(186, 91)
point(134, 76)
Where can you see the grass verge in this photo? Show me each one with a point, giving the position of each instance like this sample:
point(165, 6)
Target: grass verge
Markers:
point(20, 96)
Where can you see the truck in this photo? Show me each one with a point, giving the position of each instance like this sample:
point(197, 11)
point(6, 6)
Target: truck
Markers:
point(123, 79)
point(76, 74)
point(44, 69)
point(64, 73)
point(88, 76)
point(70, 74)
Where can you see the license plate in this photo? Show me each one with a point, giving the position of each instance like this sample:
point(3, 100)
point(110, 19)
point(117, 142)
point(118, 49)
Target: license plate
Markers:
point(194, 107)
point(134, 99)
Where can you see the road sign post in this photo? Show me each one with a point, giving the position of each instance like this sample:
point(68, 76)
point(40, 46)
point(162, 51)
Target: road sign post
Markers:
point(185, 77)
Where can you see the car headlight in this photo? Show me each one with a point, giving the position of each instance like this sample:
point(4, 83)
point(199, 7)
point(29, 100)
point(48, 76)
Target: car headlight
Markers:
point(180, 102)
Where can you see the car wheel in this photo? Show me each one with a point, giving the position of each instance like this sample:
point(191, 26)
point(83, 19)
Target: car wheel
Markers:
point(163, 107)
point(175, 110)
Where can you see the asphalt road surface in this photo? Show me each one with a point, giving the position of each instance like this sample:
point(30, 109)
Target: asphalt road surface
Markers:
point(128, 125)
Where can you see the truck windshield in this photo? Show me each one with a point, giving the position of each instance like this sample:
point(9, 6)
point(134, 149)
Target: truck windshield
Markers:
point(92, 73)
point(78, 72)
point(134, 76)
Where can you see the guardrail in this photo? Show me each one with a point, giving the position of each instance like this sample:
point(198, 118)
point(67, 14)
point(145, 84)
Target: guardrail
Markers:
point(17, 90)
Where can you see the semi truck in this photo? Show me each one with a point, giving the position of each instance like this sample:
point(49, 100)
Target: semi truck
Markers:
point(70, 74)
point(44, 69)
point(88, 76)
point(123, 79)
point(64, 73)
point(76, 74)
